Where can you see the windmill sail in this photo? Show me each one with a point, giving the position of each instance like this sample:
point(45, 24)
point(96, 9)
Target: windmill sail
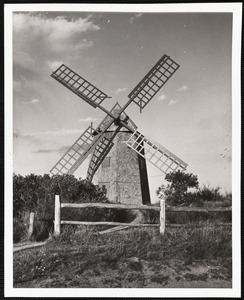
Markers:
point(79, 151)
point(156, 154)
point(98, 156)
point(154, 80)
point(100, 141)
point(106, 144)
point(78, 85)
point(117, 110)
point(67, 163)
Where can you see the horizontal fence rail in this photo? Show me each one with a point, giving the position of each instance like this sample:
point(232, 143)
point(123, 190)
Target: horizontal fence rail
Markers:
point(146, 207)
point(198, 209)
point(137, 225)
point(105, 205)
point(109, 224)
point(162, 221)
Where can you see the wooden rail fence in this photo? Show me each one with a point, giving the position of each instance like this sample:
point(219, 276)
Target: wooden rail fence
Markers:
point(161, 209)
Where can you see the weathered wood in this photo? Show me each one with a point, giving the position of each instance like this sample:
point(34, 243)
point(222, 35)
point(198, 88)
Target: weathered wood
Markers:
point(161, 209)
point(199, 225)
point(162, 217)
point(147, 207)
point(105, 205)
point(197, 209)
point(31, 224)
point(139, 225)
point(30, 246)
point(117, 228)
point(108, 224)
point(57, 220)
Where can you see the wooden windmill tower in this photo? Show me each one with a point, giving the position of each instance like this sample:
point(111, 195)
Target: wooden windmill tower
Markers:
point(118, 150)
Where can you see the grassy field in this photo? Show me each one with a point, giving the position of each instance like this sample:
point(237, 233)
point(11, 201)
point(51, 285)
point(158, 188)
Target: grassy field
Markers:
point(132, 258)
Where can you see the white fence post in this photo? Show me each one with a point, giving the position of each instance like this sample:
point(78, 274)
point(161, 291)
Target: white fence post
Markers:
point(31, 224)
point(57, 220)
point(162, 216)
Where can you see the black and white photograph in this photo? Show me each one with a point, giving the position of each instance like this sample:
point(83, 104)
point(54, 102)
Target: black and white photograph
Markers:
point(122, 157)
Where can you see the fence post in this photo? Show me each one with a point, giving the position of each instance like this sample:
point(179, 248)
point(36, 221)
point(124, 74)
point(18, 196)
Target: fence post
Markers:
point(31, 224)
point(57, 220)
point(162, 216)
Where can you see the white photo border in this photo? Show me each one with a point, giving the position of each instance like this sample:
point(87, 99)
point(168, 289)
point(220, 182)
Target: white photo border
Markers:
point(236, 10)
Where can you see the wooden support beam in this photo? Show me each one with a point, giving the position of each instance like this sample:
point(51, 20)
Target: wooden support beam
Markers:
point(195, 225)
point(126, 225)
point(31, 224)
point(57, 220)
point(198, 209)
point(108, 224)
point(162, 216)
point(113, 229)
point(147, 207)
point(116, 206)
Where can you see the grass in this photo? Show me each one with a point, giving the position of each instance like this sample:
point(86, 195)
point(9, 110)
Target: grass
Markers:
point(129, 258)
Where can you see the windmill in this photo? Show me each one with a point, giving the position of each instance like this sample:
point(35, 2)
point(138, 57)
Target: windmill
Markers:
point(117, 131)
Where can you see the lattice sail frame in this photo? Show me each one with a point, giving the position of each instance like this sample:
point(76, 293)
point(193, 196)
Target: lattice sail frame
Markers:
point(87, 143)
point(98, 155)
point(153, 81)
point(81, 148)
point(105, 145)
point(157, 155)
point(80, 86)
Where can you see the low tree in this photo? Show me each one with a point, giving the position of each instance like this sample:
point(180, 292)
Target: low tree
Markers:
point(32, 192)
point(179, 183)
point(36, 193)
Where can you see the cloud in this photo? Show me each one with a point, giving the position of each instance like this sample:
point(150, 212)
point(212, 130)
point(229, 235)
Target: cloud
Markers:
point(19, 135)
point(55, 29)
point(120, 90)
point(40, 45)
point(58, 132)
point(44, 151)
point(88, 119)
point(162, 97)
point(23, 59)
point(16, 85)
point(62, 149)
point(172, 102)
point(183, 88)
point(53, 65)
point(40, 40)
point(136, 16)
point(33, 101)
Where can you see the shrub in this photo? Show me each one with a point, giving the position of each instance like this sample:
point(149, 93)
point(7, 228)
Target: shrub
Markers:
point(19, 230)
point(175, 192)
point(36, 193)
point(210, 194)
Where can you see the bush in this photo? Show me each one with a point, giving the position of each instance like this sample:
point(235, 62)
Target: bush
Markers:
point(198, 217)
point(36, 193)
point(176, 191)
point(42, 230)
point(208, 194)
point(20, 230)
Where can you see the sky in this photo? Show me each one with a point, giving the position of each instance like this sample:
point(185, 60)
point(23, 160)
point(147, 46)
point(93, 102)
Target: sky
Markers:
point(190, 116)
